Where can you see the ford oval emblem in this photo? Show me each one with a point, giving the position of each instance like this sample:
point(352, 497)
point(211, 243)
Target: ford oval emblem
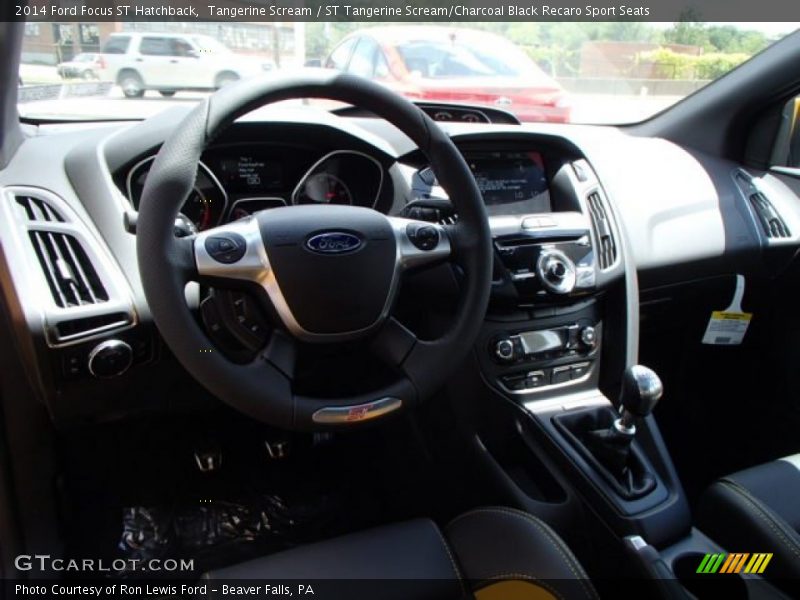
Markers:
point(334, 242)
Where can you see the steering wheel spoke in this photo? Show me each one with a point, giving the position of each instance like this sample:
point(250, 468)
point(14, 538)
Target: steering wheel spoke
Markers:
point(231, 252)
point(183, 260)
point(420, 243)
point(281, 353)
point(393, 342)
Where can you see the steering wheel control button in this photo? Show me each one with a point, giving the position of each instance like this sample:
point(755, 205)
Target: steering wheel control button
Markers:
point(110, 359)
point(556, 272)
point(424, 237)
point(227, 249)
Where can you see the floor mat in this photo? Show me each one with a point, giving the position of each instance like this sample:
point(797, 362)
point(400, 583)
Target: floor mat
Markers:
point(135, 493)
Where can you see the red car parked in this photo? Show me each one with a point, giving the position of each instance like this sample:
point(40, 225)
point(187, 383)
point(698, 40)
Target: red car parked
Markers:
point(441, 64)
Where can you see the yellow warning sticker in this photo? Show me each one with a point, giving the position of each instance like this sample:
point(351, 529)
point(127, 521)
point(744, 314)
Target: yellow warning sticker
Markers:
point(727, 328)
point(731, 316)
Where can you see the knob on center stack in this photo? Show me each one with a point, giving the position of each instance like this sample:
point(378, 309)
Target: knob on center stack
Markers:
point(556, 271)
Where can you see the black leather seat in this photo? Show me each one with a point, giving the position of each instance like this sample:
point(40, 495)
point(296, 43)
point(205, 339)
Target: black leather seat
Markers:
point(758, 511)
point(488, 554)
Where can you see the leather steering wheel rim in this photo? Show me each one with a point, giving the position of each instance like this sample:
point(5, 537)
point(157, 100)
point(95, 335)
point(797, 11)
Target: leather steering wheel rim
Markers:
point(263, 388)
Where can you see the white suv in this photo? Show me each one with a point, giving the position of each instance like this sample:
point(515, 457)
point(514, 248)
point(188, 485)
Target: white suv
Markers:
point(171, 62)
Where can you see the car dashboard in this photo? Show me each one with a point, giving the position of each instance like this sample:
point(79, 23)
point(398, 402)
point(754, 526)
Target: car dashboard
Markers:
point(615, 210)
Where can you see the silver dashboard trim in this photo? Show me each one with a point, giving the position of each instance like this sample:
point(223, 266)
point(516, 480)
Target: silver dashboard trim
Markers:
point(586, 399)
point(200, 165)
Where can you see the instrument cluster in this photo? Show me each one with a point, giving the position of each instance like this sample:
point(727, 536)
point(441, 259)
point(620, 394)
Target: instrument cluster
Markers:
point(235, 181)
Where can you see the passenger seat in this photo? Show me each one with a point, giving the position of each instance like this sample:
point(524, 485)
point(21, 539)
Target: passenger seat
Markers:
point(757, 510)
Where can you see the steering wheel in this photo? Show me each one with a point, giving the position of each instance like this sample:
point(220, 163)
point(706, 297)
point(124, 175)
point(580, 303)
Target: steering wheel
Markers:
point(330, 273)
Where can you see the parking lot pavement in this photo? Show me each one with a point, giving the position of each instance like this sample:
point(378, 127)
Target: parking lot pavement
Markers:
point(587, 108)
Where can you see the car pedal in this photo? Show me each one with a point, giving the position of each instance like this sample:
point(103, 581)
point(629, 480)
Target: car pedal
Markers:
point(277, 449)
point(208, 462)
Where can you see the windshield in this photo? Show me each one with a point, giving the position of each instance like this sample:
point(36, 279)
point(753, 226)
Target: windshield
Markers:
point(571, 72)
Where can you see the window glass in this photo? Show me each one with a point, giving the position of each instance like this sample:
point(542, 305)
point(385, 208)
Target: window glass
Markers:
point(181, 47)
point(155, 46)
point(117, 45)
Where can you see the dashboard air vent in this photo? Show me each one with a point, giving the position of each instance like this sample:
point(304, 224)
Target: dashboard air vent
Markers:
point(64, 274)
point(36, 210)
point(607, 251)
point(774, 227)
point(70, 275)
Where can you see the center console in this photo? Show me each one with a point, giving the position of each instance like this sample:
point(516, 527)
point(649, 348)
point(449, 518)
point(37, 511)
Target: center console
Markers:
point(553, 345)
point(576, 442)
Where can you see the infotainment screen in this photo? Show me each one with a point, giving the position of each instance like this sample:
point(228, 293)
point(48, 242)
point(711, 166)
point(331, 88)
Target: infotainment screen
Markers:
point(512, 183)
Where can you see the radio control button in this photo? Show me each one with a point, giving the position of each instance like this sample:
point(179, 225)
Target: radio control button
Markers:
point(536, 379)
point(504, 349)
point(514, 382)
point(561, 374)
point(579, 370)
point(589, 337)
point(556, 272)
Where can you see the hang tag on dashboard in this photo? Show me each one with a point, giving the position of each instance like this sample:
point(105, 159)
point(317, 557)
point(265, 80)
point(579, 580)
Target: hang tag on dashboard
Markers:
point(728, 327)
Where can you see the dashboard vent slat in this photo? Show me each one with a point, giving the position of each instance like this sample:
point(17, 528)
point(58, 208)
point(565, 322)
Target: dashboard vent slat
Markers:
point(36, 210)
point(773, 225)
point(607, 251)
point(70, 275)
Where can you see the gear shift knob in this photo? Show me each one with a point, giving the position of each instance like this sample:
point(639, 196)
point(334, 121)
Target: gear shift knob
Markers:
point(641, 391)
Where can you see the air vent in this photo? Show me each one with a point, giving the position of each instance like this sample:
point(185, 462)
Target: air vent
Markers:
point(70, 275)
point(81, 293)
point(774, 227)
point(607, 251)
point(36, 210)
point(67, 330)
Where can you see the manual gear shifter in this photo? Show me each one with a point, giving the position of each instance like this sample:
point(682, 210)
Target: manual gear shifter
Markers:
point(641, 391)
point(611, 445)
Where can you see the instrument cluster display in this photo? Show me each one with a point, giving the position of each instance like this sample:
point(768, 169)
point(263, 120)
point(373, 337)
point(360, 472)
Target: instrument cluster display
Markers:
point(238, 180)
